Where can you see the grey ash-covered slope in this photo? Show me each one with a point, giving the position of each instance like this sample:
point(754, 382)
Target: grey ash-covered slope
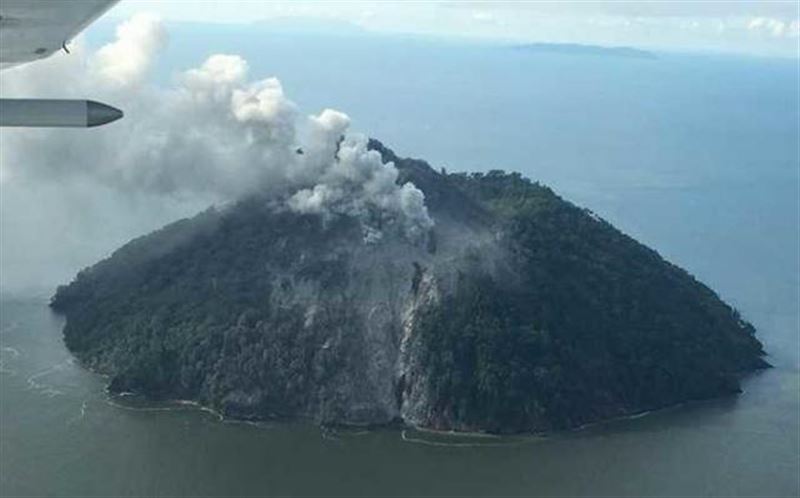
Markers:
point(518, 312)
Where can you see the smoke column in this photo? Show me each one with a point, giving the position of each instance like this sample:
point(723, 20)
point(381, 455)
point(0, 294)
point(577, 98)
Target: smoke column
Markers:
point(215, 135)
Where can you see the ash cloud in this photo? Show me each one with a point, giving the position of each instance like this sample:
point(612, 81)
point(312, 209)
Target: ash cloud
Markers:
point(126, 60)
point(213, 136)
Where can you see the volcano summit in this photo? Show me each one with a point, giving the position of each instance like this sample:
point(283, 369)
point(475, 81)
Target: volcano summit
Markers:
point(502, 308)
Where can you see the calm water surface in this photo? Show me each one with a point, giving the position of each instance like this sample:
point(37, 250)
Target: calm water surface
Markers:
point(62, 435)
point(696, 157)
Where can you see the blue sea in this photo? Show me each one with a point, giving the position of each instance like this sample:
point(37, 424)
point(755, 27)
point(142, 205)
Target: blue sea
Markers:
point(695, 155)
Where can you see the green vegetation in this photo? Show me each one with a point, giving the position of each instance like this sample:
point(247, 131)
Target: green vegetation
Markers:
point(572, 322)
point(597, 325)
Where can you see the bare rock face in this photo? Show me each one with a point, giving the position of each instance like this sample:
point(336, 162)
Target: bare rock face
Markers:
point(517, 311)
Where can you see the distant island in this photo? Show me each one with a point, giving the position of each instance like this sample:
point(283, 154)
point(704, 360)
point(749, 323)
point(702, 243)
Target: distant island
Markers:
point(517, 312)
point(309, 25)
point(591, 50)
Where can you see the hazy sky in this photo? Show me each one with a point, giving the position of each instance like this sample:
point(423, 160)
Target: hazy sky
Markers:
point(219, 128)
point(763, 28)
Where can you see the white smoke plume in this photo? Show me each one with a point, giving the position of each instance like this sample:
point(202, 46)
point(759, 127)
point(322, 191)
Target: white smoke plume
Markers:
point(213, 136)
point(126, 60)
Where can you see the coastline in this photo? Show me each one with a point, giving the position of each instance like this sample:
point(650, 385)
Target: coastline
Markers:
point(401, 426)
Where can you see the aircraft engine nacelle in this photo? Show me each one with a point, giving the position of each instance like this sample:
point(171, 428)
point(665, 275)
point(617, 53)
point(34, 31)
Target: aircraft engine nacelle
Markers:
point(56, 113)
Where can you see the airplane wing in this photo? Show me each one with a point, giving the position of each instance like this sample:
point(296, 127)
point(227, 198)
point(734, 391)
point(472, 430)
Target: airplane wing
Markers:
point(34, 29)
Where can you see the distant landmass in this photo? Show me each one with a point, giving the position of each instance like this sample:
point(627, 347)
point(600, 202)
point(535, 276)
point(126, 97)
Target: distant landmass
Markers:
point(578, 49)
point(517, 312)
point(310, 25)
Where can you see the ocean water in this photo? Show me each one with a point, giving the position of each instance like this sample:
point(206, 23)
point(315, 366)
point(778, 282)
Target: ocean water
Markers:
point(696, 156)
